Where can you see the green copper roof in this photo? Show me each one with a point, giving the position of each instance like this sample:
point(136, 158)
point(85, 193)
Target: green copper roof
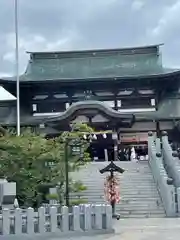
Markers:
point(95, 64)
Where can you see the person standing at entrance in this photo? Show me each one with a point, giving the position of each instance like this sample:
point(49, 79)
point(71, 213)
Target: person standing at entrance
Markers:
point(122, 155)
point(133, 155)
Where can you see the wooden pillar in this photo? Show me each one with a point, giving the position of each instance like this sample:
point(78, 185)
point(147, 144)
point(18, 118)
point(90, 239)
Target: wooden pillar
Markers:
point(158, 131)
point(115, 139)
point(115, 104)
point(115, 101)
point(69, 94)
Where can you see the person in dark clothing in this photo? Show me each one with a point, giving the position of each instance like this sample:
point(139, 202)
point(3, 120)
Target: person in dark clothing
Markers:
point(122, 155)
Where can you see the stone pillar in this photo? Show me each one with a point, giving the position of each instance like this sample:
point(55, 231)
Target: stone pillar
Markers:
point(158, 144)
point(150, 143)
point(165, 136)
point(150, 138)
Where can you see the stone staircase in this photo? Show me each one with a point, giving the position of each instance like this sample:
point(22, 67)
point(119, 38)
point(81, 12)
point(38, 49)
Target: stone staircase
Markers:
point(139, 195)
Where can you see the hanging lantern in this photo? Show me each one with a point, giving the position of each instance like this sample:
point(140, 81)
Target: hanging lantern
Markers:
point(111, 189)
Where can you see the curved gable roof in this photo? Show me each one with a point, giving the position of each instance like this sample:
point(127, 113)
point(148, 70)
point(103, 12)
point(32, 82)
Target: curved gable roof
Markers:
point(91, 105)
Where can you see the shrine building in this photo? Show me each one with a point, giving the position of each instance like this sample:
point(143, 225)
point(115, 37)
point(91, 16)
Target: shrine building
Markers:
point(125, 91)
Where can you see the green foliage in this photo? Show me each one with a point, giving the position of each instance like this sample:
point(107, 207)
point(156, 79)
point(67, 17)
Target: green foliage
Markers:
point(76, 202)
point(77, 187)
point(52, 197)
point(33, 161)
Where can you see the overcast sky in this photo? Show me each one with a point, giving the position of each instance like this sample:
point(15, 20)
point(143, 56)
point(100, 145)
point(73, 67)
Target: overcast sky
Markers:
point(86, 24)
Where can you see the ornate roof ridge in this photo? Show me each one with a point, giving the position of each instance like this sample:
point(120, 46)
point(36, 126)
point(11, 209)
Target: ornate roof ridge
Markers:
point(103, 50)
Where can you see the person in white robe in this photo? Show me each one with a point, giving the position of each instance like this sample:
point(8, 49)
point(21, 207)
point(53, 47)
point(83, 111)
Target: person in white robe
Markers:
point(133, 155)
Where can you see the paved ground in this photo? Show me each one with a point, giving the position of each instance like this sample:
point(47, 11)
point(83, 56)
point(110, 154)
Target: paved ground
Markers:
point(129, 229)
point(142, 229)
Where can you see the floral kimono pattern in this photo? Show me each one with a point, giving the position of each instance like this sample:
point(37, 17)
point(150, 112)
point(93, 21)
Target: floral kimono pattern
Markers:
point(111, 190)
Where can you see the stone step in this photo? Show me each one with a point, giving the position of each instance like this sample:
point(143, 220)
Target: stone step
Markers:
point(126, 171)
point(129, 178)
point(122, 192)
point(139, 206)
point(135, 194)
point(101, 199)
point(126, 180)
point(129, 173)
point(139, 211)
point(118, 163)
point(141, 202)
point(125, 168)
point(131, 208)
point(140, 197)
point(94, 198)
point(123, 203)
point(124, 216)
point(127, 196)
point(137, 198)
point(122, 186)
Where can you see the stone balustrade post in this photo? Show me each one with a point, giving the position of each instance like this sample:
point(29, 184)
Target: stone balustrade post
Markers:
point(158, 145)
point(30, 221)
point(6, 221)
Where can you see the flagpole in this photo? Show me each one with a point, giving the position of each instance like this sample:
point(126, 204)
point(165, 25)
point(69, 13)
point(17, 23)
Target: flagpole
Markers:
point(17, 67)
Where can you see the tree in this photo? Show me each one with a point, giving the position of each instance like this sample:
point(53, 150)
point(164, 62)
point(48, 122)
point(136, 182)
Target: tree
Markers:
point(32, 161)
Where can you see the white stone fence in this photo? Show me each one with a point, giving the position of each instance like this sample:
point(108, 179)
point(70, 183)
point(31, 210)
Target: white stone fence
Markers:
point(55, 220)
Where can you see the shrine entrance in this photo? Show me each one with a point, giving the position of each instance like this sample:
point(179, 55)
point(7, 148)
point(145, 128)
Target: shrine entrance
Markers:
point(138, 141)
point(102, 148)
point(105, 120)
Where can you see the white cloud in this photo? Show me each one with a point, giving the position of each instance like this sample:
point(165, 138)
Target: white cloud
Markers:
point(9, 56)
point(5, 74)
point(138, 5)
point(76, 24)
point(169, 20)
point(36, 43)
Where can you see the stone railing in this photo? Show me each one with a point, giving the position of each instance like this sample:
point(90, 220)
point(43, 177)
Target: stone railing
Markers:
point(55, 222)
point(166, 191)
point(172, 165)
point(171, 160)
